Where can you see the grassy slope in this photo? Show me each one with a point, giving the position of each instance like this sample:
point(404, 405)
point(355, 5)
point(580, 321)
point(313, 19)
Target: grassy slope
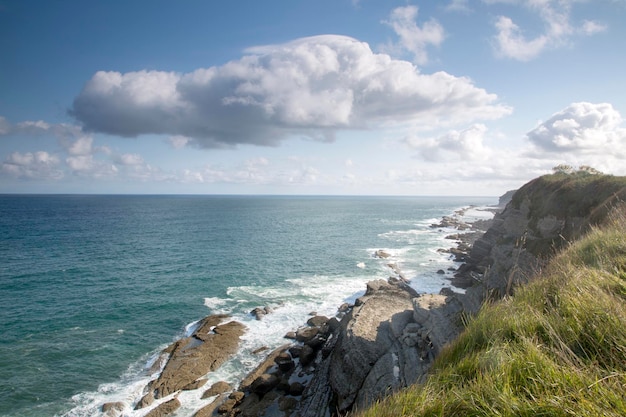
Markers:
point(558, 348)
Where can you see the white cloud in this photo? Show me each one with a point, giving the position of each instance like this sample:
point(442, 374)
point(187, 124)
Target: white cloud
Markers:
point(466, 144)
point(32, 165)
point(413, 38)
point(458, 6)
point(591, 27)
point(178, 141)
point(511, 42)
point(81, 146)
point(130, 159)
point(582, 128)
point(308, 87)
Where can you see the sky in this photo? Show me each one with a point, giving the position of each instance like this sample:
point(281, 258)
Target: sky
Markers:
point(330, 97)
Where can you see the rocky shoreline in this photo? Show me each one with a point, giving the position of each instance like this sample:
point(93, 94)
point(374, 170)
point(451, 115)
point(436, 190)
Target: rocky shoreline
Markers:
point(383, 342)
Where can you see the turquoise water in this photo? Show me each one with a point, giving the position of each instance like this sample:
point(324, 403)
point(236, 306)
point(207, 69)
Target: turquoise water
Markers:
point(91, 287)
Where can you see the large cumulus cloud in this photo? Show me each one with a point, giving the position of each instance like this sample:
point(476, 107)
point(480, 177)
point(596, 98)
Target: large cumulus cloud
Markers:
point(310, 87)
point(582, 128)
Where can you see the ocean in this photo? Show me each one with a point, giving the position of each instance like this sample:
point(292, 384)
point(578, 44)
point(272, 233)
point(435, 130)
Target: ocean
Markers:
point(92, 287)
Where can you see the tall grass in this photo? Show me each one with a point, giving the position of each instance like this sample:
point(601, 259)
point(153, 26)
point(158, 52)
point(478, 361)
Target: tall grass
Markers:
point(557, 348)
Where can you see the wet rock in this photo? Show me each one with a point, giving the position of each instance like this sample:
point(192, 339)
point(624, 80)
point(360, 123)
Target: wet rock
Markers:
point(165, 409)
point(227, 406)
point(216, 389)
point(194, 385)
point(381, 254)
point(193, 357)
point(260, 312)
point(307, 355)
point(263, 368)
point(209, 410)
point(317, 321)
point(306, 333)
point(113, 409)
point(284, 362)
point(264, 384)
point(145, 401)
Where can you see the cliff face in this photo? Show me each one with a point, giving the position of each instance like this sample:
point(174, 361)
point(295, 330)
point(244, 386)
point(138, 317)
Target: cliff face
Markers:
point(542, 217)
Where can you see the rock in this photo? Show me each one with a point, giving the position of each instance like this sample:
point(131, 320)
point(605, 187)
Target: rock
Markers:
point(306, 333)
point(146, 400)
point(263, 368)
point(264, 384)
point(290, 335)
point(287, 404)
point(258, 313)
point(343, 308)
point(261, 349)
point(316, 342)
point(295, 351)
point(113, 409)
point(381, 254)
point(237, 396)
point(307, 355)
point(194, 385)
point(296, 389)
point(216, 389)
point(227, 406)
point(165, 409)
point(209, 410)
point(441, 272)
point(284, 362)
point(193, 357)
point(317, 321)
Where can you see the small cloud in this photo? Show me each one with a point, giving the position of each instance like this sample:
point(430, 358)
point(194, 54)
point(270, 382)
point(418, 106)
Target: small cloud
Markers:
point(413, 38)
point(591, 27)
point(178, 141)
point(466, 144)
point(130, 159)
point(510, 41)
point(32, 165)
point(458, 6)
point(80, 146)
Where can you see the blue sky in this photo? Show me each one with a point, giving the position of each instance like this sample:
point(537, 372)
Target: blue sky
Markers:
point(454, 97)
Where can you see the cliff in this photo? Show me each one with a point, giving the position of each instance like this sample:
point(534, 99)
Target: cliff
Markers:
point(557, 347)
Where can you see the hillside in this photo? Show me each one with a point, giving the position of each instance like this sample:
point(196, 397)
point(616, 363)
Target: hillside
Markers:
point(557, 347)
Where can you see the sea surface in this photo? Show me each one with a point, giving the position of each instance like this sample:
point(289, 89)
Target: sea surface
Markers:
point(93, 286)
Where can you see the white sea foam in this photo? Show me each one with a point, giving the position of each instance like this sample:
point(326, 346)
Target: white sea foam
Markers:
point(216, 304)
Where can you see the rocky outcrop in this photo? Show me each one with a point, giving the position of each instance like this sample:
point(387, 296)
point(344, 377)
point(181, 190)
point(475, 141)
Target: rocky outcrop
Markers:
point(191, 358)
point(377, 349)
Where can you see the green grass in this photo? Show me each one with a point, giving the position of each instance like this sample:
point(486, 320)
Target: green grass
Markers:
point(557, 348)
